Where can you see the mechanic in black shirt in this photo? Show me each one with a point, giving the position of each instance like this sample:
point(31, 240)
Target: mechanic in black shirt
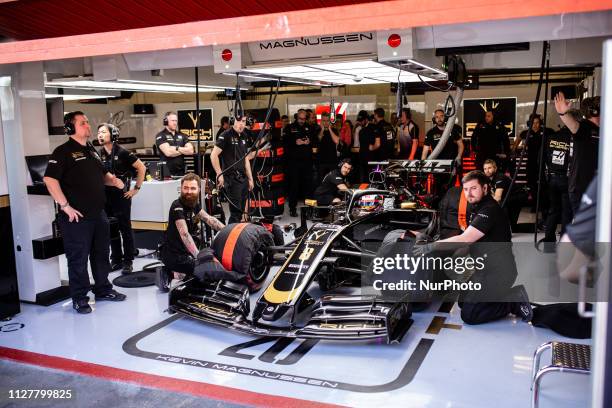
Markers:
point(453, 150)
point(584, 147)
point(366, 136)
point(230, 156)
point(122, 164)
point(490, 238)
point(172, 145)
point(387, 136)
point(500, 187)
point(328, 147)
point(75, 178)
point(557, 148)
point(538, 133)
point(490, 141)
point(333, 183)
point(182, 238)
point(298, 155)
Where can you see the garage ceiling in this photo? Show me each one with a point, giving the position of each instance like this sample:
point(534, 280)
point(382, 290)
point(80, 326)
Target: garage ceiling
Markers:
point(37, 19)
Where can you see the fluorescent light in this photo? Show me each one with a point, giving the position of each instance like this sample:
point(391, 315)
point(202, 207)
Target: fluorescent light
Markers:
point(427, 67)
point(77, 97)
point(282, 79)
point(126, 86)
point(360, 72)
point(133, 81)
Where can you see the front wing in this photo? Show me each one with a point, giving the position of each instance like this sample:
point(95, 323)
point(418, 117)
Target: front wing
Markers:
point(333, 317)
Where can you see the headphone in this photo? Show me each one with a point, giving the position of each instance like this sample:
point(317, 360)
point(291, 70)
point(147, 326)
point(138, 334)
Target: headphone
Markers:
point(112, 129)
point(590, 106)
point(69, 128)
point(433, 118)
point(165, 119)
point(531, 118)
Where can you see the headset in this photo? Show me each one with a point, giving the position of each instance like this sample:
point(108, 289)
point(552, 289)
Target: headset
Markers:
point(69, 128)
point(590, 106)
point(165, 119)
point(433, 118)
point(531, 118)
point(112, 129)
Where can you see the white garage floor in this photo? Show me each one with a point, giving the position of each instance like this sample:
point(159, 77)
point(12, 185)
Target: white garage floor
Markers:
point(440, 362)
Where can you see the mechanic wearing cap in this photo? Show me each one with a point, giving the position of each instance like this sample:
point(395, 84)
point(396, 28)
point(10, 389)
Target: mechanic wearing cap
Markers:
point(367, 139)
point(173, 146)
point(333, 184)
point(298, 151)
point(229, 156)
point(122, 164)
point(584, 147)
point(408, 136)
point(182, 238)
point(490, 239)
point(557, 145)
point(75, 178)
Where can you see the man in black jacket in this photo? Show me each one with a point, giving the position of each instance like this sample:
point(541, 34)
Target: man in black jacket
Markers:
point(297, 140)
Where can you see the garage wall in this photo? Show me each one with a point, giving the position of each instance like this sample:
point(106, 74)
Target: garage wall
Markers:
point(525, 96)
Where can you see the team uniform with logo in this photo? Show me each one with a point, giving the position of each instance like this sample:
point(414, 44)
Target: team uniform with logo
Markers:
point(119, 162)
point(328, 189)
point(234, 148)
point(557, 160)
point(176, 165)
point(80, 173)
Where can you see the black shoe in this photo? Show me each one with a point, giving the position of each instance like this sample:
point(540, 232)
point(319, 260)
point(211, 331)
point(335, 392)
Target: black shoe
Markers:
point(115, 266)
point(127, 268)
point(81, 306)
point(293, 212)
point(113, 296)
point(521, 307)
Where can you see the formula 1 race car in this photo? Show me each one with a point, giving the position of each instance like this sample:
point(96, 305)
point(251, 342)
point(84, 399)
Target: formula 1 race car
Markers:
point(315, 293)
point(309, 296)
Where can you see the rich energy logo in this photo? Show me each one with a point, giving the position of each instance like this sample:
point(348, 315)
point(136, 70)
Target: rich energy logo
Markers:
point(314, 41)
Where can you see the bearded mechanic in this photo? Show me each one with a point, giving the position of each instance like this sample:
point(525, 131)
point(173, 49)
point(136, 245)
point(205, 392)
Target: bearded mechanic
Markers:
point(490, 237)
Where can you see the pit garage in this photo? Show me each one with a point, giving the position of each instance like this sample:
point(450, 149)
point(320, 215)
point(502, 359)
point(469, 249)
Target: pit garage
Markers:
point(375, 154)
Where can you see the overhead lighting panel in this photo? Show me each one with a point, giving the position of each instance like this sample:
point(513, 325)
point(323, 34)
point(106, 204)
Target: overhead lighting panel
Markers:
point(353, 72)
point(135, 86)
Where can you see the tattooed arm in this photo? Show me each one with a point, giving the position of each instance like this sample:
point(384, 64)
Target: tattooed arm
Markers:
point(211, 221)
point(191, 247)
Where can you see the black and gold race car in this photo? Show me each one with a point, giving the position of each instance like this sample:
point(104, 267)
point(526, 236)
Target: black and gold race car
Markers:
point(316, 292)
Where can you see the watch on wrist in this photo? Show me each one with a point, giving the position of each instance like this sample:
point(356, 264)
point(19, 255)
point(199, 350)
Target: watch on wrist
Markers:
point(62, 206)
point(177, 148)
point(136, 187)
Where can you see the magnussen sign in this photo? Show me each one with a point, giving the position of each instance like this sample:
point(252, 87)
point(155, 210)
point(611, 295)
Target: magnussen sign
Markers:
point(308, 47)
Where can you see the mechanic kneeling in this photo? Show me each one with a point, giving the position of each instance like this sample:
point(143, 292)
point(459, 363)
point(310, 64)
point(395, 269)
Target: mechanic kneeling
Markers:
point(333, 184)
point(489, 236)
point(182, 238)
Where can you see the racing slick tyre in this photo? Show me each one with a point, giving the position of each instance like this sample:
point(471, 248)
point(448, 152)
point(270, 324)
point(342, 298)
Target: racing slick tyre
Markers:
point(242, 248)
